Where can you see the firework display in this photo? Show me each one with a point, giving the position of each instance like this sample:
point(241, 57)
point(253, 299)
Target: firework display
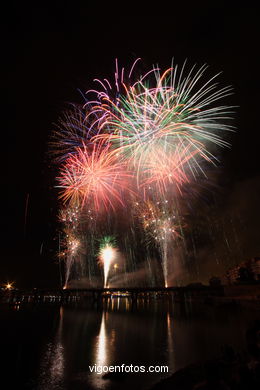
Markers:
point(107, 254)
point(137, 142)
point(93, 176)
point(162, 226)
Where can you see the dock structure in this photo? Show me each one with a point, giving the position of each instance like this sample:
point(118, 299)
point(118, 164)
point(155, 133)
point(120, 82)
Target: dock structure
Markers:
point(99, 294)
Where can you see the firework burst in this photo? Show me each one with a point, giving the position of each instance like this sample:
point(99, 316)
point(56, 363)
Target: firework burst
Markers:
point(94, 177)
point(165, 173)
point(72, 132)
point(155, 135)
point(177, 117)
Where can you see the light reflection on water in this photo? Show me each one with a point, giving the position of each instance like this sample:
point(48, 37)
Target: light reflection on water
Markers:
point(153, 332)
point(52, 365)
point(101, 347)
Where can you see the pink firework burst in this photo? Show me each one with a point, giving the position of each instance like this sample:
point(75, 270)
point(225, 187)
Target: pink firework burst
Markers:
point(162, 170)
point(94, 176)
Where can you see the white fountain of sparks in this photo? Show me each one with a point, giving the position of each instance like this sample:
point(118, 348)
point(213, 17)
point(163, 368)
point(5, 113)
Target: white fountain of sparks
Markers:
point(107, 255)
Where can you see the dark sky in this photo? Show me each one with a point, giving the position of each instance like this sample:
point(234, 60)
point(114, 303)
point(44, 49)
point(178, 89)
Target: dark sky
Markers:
point(48, 51)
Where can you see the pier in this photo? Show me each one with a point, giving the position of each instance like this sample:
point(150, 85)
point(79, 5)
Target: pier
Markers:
point(219, 294)
point(97, 294)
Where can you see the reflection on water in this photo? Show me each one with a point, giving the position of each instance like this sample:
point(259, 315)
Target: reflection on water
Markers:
point(101, 348)
point(101, 353)
point(153, 332)
point(52, 364)
point(170, 341)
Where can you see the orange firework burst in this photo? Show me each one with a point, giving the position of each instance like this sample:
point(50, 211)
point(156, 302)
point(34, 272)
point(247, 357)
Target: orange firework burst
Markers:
point(95, 176)
point(165, 171)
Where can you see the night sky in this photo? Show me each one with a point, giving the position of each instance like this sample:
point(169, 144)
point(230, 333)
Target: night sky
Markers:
point(48, 52)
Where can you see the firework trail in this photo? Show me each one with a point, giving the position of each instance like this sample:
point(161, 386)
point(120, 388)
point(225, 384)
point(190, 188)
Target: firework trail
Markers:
point(71, 243)
point(78, 225)
point(161, 226)
point(107, 254)
point(70, 253)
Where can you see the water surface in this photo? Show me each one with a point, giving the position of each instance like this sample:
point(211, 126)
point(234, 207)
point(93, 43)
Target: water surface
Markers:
point(50, 347)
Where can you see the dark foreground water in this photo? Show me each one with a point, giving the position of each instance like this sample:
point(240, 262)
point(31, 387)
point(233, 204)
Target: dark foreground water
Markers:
point(49, 347)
